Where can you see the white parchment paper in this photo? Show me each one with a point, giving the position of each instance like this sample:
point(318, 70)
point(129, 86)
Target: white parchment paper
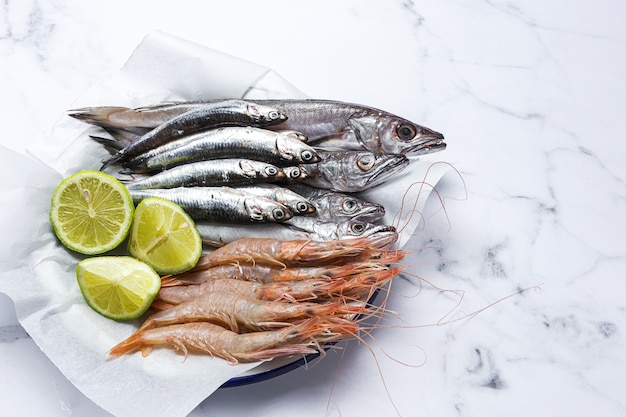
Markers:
point(39, 274)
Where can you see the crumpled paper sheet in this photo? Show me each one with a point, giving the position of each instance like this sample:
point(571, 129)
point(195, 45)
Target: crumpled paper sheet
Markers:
point(38, 273)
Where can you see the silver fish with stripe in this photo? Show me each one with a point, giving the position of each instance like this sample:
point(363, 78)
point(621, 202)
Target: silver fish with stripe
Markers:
point(222, 113)
point(219, 204)
point(279, 148)
point(294, 201)
point(218, 172)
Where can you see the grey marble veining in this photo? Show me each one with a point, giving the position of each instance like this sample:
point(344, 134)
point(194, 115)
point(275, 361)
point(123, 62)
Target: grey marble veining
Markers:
point(514, 302)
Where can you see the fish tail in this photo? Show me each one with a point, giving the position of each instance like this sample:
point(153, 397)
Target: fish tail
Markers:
point(111, 145)
point(114, 159)
point(99, 116)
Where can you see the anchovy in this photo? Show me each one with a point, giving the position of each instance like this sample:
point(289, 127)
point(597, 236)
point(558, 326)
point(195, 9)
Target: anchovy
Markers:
point(279, 148)
point(336, 206)
point(219, 204)
point(222, 113)
point(218, 172)
point(353, 171)
point(292, 200)
point(333, 125)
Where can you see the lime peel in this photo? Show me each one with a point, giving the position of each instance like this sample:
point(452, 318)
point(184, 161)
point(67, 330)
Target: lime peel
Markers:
point(164, 236)
point(91, 212)
point(117, 287)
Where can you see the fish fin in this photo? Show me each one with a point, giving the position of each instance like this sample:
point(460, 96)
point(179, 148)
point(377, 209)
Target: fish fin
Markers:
point(123, 136)
point(114, 159)
point(111, 145)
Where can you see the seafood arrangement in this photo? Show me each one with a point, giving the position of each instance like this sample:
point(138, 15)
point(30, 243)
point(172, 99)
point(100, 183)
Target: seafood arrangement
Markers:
point(293, 254)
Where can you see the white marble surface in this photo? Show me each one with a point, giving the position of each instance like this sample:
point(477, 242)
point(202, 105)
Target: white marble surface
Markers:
point(530, 97)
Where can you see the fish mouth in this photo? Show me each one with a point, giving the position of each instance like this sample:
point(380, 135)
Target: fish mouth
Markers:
point(384, 237)
point(370, 214)
point(388, 165)
point(432, 142)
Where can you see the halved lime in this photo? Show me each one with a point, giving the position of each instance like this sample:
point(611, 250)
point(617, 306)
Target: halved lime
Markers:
point(91, 212)
point(164, 236)
point(118, 287)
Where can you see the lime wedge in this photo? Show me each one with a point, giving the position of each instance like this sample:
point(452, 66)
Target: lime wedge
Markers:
point(164, 236)
point(118, 287)
point(91, 212)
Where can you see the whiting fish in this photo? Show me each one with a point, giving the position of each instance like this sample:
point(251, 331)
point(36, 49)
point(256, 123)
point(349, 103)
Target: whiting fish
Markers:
point(332, 125)
point(353, 171)
point(335, 206)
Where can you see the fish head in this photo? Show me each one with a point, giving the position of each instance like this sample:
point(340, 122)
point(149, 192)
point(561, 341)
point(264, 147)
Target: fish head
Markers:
point(294, 173)
point(295, 201)
point(262, 170)
point(347, 205)
point(378, 236)
point(263, 209)
point(385, 133)
point(361, 170)
point(294, 134)
point(265, 115)
point(292, 149)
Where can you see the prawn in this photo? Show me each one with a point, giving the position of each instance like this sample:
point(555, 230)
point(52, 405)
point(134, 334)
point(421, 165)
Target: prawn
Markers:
point(273, 291)
point(303, 338)
point(280, 253)
point(238, 312)
point(266, 274)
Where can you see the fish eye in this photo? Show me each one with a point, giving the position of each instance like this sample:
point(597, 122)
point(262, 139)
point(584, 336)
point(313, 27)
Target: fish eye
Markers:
point(294, 173)
point(349, 205)
point(366, 162)
point(271, 171)
point(406, 131)
point(306, 155)
point(273, 115)
point(278, 214)
point(302, 207)
point(358, 227)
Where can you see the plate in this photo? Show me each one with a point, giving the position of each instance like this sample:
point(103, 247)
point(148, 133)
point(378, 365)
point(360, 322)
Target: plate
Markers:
point(39, 273)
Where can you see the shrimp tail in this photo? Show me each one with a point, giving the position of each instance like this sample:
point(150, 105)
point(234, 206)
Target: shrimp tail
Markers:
point(160, 305)
point(132, 344)
point(170, 281)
